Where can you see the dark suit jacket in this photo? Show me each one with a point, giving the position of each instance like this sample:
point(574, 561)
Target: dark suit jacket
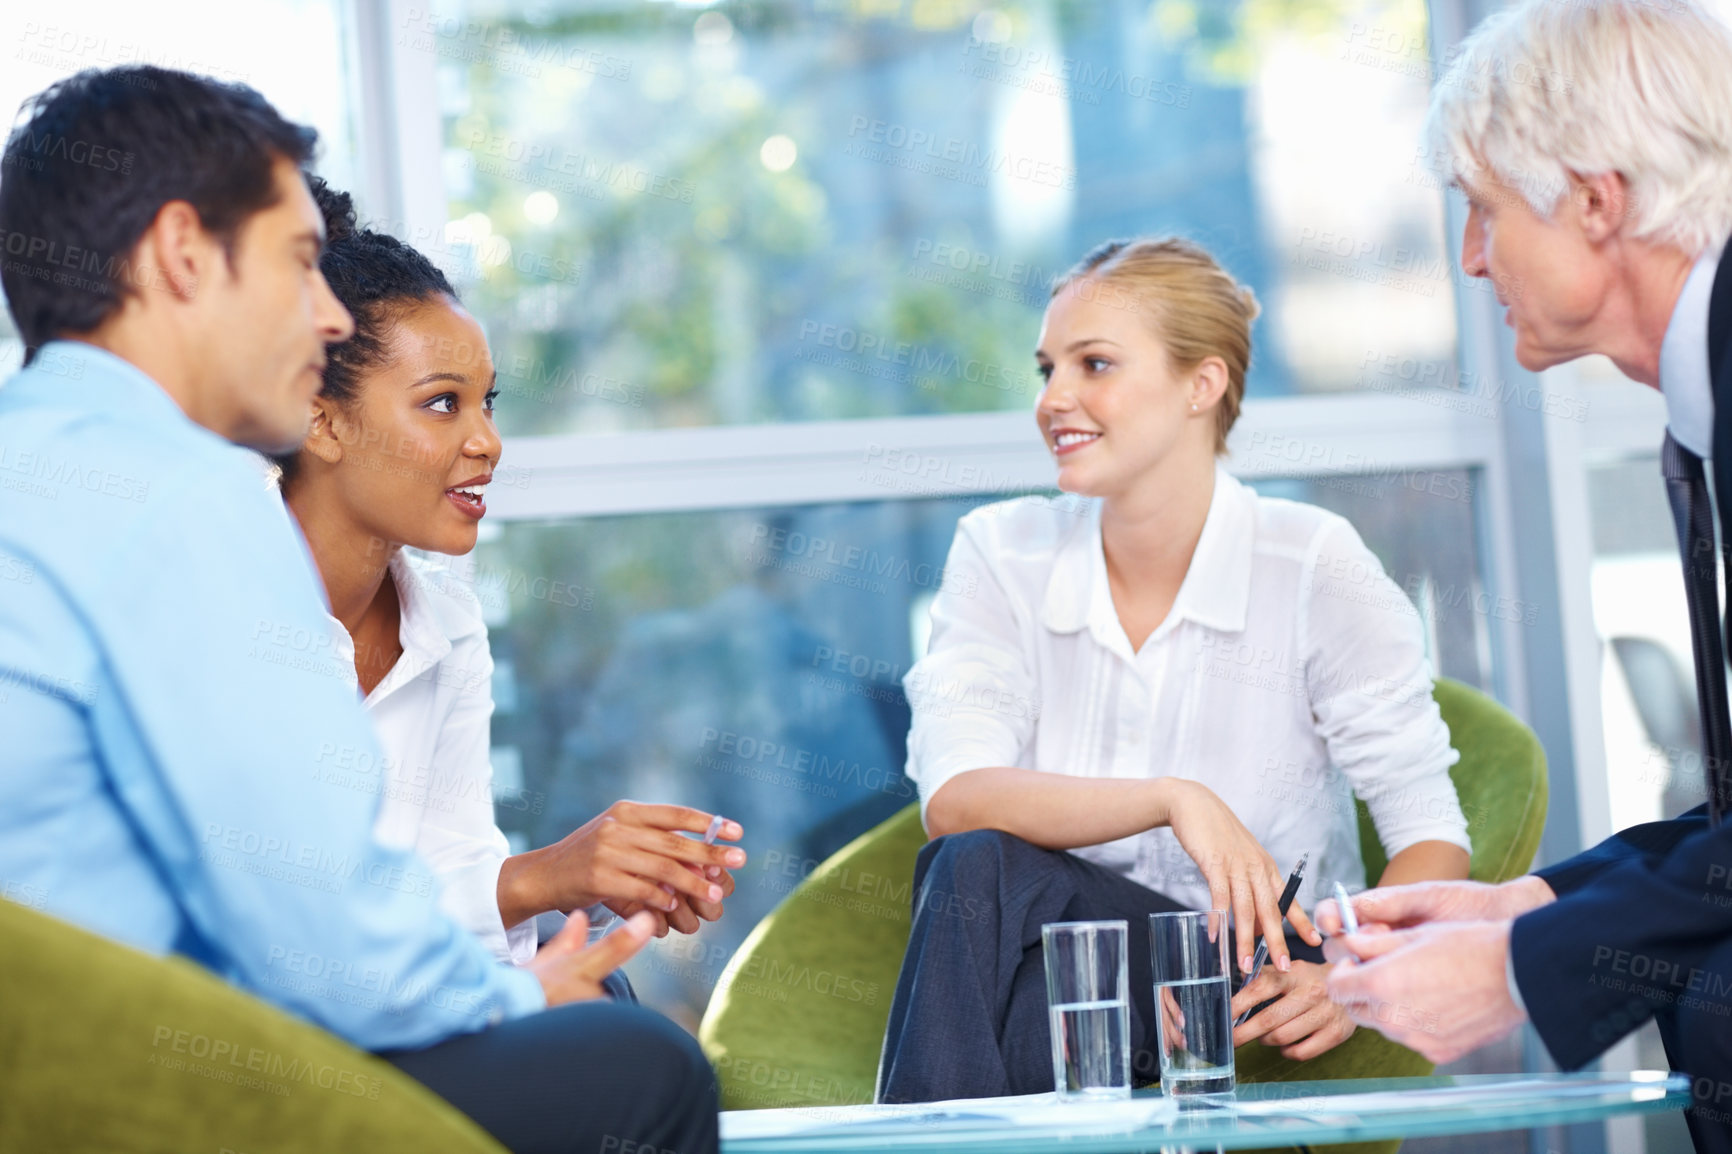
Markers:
point(1643, 924)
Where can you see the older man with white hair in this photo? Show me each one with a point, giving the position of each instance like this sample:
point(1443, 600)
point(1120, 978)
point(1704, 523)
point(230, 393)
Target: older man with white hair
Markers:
point(1593, 141)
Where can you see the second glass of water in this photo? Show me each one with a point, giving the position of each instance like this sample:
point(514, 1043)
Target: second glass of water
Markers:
point(1088, 995)
point(1193, 1002)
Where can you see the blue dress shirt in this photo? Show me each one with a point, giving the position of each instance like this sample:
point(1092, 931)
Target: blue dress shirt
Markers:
point(177, 740)
point(1685, 378)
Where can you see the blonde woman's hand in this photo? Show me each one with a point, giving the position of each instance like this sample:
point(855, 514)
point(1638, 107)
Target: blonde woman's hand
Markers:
point(1302, 1020)
point(1242, 877)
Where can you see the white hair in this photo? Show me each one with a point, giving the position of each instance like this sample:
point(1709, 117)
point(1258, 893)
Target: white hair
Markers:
point(1642, 88)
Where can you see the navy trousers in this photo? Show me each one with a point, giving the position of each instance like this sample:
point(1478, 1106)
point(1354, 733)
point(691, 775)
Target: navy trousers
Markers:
point(969, 1016)
point(1698, 1040)
point(598, 1077)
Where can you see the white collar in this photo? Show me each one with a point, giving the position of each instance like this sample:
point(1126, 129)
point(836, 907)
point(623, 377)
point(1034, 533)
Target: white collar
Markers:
point(1686, 378)
point(423, 634)
point(419, 632)
point(1216, 591)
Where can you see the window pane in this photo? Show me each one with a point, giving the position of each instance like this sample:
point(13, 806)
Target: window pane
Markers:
point(1648, 682)
point(688, 215)
point(751, 662)
point(747, 662)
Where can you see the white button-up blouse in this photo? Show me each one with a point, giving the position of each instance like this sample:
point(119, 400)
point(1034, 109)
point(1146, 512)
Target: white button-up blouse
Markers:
point(1289, 676)
point(433, 714)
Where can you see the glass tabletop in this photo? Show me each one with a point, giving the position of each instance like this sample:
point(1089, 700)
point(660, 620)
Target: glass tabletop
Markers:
point(1257, 1115)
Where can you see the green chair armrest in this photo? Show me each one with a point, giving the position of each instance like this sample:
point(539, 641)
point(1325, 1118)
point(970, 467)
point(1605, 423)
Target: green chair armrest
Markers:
point(1500, 781)
point(106, 1048)
point(798, 1018)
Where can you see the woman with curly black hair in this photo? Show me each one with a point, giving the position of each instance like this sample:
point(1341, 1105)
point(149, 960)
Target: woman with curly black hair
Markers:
point(400, 452)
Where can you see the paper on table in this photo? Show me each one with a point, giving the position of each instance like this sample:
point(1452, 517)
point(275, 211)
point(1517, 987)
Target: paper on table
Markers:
point(1027, 1111)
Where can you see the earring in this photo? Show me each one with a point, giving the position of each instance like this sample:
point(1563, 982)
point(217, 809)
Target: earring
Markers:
point(1193, 406)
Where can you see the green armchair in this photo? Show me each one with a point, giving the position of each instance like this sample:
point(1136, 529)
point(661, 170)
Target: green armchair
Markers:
point(105, 1048)
point(799, 1017)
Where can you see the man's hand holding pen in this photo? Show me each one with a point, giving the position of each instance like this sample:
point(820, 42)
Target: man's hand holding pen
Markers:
point(1426, 964)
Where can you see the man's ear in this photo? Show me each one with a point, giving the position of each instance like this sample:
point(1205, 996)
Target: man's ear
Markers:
point(178, 251)
point(1603, 204)
point(325, 434)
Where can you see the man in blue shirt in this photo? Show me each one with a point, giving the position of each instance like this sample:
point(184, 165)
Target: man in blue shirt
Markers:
point(169, 722)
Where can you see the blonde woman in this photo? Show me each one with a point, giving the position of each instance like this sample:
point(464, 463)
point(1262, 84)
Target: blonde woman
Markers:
point(1162, 691)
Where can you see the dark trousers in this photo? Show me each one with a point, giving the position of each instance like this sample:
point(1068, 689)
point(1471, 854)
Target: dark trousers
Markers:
point(1698, 1037)
point(969, 1016)
point(588, 1078)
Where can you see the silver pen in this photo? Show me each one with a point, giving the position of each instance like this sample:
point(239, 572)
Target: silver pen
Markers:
point(710, 835)
point(1349, 919)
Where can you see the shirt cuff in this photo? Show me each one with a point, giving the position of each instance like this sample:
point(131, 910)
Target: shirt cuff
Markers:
point(1455, 835)
point(1515, 991)
point(516, 945)
point(960, 757)
point(523, 993)
point(470, 895)
point(522, 940)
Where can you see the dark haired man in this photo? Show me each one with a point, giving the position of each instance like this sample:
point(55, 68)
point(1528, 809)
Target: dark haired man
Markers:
point(175, 732)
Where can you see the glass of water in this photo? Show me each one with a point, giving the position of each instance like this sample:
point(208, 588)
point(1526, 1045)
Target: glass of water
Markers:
point(1088, 988)
point(1193, 1002)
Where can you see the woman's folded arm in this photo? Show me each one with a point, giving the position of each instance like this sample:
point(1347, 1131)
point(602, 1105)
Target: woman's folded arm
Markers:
point(1051, 810)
